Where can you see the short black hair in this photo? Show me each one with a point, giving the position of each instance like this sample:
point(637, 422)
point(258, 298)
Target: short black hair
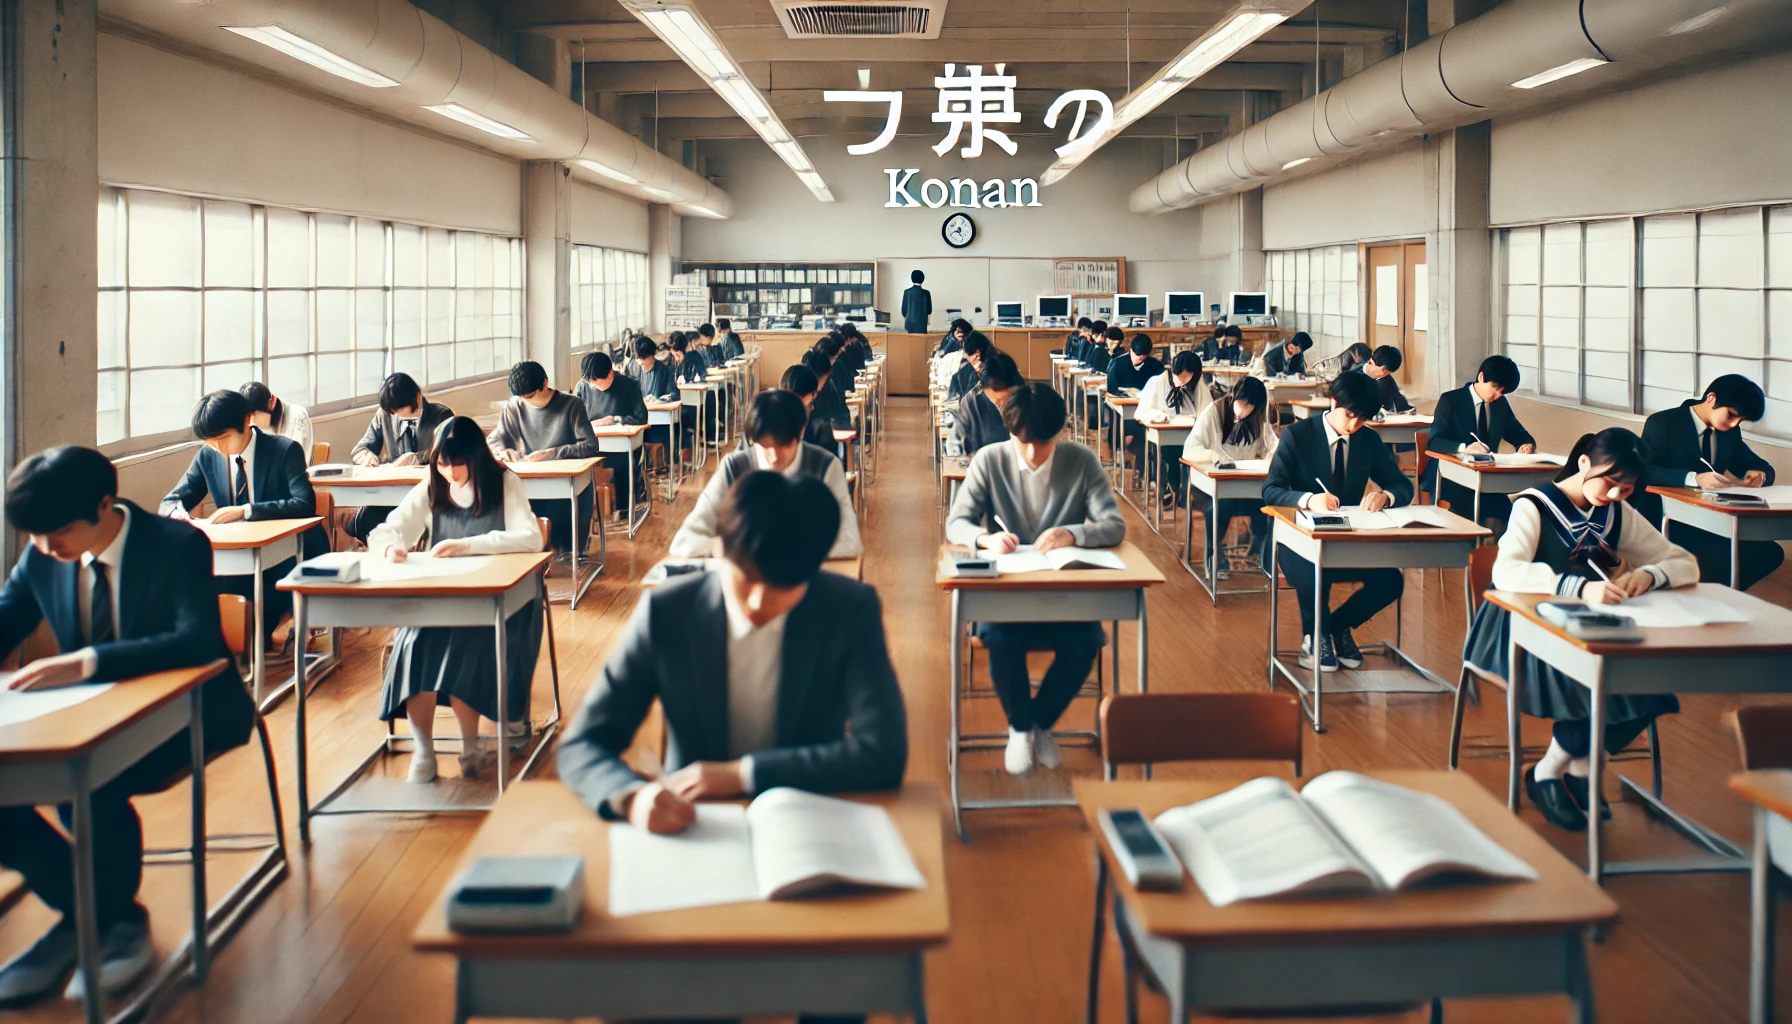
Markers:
point(1388, 358)
point(976, 344)
point(1301, 338)
point(1113, 334)
point(1186, 362)
point(219, 413)
point(1356, 393)
point(707, 330)
point(1499, 370)
point(831, 344)
point(53, 488)
point(778, 530)
point(818, 365)
point(262, 399)
point(527, 377)
point(595, 366)
point(645, 347)
point(799, 380)
point(676, 336)
point(916, 276)
point(961, 324)
point(1000, 372)
point(1234, 331)
point(678, 342)
point(1082, 322)
point(776, 414)
point(1140, 344)
point(724, 324)
point(400, 391)
point(1034, 413)
point(1096, 327)
point(1734, 391)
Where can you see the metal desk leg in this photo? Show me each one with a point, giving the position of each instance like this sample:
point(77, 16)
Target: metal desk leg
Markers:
point(87, 939)
point(1515, 682)
point(503, 691)
point(632, 525)
point(1144, 661)
point(298, 726)
point(1477, 503)
point(1760, 925)
point(957, 666)
point(578, 540)
point(1275, 599)
point(1580, 981)
point(672, 457)
point(1321, 598)
point(918, 1001)
point(1735, 556)
point(200, 951)
point(1596, 781)
point(259, 648)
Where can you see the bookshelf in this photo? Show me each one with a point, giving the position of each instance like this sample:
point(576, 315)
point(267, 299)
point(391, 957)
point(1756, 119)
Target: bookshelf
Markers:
point(767, 294)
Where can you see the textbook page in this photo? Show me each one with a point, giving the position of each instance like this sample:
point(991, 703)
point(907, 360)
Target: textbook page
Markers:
point(709, 863)
point(419, 565)
point(1028, 558)
point(1404, 835)
point(1778, 495)
point(17, 707)
point(1260, 839)
point(1532, 459)
point(1668, 608)
point(1248, 466)
point(804, 841)
point(1393, 518)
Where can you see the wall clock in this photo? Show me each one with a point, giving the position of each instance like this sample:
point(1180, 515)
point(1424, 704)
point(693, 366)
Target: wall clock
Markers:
point(959, 230)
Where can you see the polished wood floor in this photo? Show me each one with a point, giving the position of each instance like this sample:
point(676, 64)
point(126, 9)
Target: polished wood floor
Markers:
point(331, 944)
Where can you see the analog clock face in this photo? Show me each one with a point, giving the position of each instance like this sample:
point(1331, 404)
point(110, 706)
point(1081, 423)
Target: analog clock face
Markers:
point(959, 230)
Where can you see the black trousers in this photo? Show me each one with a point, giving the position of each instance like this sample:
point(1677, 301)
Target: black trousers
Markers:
point(1381, 587)
point(1462, 502)
point(559, 514)
point(1074, 647)
point(275, 603)
point(1576, 735)
point(1759, 557)
point(33, 847)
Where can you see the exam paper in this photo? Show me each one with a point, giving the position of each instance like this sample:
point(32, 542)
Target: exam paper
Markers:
point(420, 565)
point(23, 707)
point(1028, 558)
point(1248, 466)
point(707, 864)
point(1669, 608)
point(1534, 459)
point(1771, 495)
point(1393, 518)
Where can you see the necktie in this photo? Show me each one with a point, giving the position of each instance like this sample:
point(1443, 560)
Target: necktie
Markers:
point(1709, 445)
point(1483, 425)
point(407, 438)
point(242, 482)
point(1338, 467)
point(100, 629)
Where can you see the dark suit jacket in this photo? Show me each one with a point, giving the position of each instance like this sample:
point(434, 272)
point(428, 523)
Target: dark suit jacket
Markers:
point(281, 487)
point(732, 347)
point(167, 616)
point(1303, 456)
point(1454, 419)
point(917, 306)
point(383, 428)
point(840, 720)
point(1671, 446)
point(1276, 361)
point(1123, 374)
point(1391, 398)
point(963, 380)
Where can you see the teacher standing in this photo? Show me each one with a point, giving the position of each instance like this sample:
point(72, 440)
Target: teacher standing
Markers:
point(917, 305)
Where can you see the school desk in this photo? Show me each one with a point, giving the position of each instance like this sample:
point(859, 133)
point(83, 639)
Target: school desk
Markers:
point(851, 953)
point(246, 548)
point(1489, 478)
point(624, 439)
point(1733, 523)
point(695, 394)
point(1219, 485)
point(1173, 432)
point(1771, 793)
point(671, 416)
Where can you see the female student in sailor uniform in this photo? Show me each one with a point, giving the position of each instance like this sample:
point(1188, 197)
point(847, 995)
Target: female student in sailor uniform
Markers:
point(469, 505)
point(1238, 427)
point(1166, 396)
point(1557, 533)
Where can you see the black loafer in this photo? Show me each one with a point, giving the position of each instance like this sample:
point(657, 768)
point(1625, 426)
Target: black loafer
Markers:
point(1551, 797)
point(1577, 789)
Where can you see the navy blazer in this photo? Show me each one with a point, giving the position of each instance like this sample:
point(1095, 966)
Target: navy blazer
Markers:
point(1454, 420)
point(281, 487)
point(167, 616)
point(1302, 456)
point(1671, 448)
point(840, 725)
point(1277, 362)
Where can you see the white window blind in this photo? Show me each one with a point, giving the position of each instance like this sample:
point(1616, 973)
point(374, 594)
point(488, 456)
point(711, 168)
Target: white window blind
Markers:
point(1315, 290)
point(610, 294)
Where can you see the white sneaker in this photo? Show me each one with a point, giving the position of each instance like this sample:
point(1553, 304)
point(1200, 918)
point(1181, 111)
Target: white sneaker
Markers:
point(1019, 758)
point(478, 760)
point(1045, 749)
point(423, 768)
point(519, 733)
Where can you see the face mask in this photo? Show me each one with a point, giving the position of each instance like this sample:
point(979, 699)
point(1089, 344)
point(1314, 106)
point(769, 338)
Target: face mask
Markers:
point(1240, 411)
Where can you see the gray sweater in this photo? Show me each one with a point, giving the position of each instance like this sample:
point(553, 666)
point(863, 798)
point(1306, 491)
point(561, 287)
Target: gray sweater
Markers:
point(561, 426)
point(1078, 497)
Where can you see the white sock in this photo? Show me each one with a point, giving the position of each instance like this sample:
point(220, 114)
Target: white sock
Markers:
point(1554, 761)
point(425, 746)
point(1581, 767)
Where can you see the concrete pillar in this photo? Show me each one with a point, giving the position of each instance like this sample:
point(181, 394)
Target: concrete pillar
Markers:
point(664, 246)
point(1249, 257)
point(1458, 253)
point(51, 208)
point(547, 244)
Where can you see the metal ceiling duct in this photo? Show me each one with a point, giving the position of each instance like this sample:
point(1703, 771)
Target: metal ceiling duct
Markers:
point(1466, 75)
point(434, 65)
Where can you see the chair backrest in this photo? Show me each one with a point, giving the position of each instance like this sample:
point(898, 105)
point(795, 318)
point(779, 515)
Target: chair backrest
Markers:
point(233, 614)
point(547, 533)
point(1154, 727)
point(1764, 734)
point(320, 453)
point(1480, 571)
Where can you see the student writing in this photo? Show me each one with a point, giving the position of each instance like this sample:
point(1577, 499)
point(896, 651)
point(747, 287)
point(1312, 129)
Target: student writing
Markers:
point(1477, 418)
point(1235, 428)
point(540, 423)
point(1167, 396)
point(976, 347)
point(614, 399)
point(654, 376)
point(732, 347)
point(399, 434)
point(276, 416)
point(1289, 359)
point(1381, 367)
point(800, 381)
point(977, 423)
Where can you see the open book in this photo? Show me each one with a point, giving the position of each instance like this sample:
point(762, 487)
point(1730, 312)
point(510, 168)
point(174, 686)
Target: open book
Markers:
point(1528, 459)
point(1343, 832)
point(785, 843)
point(1395, 518)
point(1028, 558)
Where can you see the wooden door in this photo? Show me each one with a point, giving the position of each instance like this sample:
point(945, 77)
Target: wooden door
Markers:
point(1398, 311)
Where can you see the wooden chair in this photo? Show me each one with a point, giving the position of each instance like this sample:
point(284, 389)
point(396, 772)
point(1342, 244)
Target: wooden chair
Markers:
point(320, 453)
point(1149, 728)
point(1764, 737)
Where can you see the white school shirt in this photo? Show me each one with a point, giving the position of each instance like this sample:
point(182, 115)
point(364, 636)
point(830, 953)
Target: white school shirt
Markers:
point(1475, 399)
point(1640, 546)
point(1332, 437)
point(406, 524)
point(755, 666)
point(113, 559)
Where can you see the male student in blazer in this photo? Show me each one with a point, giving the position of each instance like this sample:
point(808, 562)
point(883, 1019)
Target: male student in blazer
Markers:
point(401, 433)
point(124, 593)
point(1698, 443)
point(1477, 418)
point(769, 671)
point(1036, 489)
point(976, 347)
point(1381, 367)
point(1289, 359)
point(731, 345)
point(251, 476)
point(1324, 463)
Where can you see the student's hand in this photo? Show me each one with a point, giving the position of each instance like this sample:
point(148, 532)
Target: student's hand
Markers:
point(397, 553)
point(1375, 501)
point(507, 455)
point(1000, 543)
point(1055, 538)
point(49, 673)
point(1754, 478)
point(1527, 449)
point(1714, 481)
point(1326, 502)
point(368, 459)
point(604, 421)
point(655, 808)
point(1601, 592)
point(701, 780)
point(230, 514)
point(1634, 583)
point(449, 549)
point(1476, 449)
point(545, 455)
point(180, 512)
point(407, 459)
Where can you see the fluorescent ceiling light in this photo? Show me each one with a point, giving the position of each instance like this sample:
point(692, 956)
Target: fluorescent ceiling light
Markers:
point(1241, 28)
point(476, 120)
point(304, 49)
point(596, 168)
point(685, 32)
point(793, 154)
point(1292, 164)
point(743, 97)
point(1556, 74)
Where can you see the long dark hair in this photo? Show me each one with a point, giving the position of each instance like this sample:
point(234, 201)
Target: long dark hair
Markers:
point(1614, 453)
point(460, 442)
point(263, 400)
point(1180, 394)
point(1246, 431)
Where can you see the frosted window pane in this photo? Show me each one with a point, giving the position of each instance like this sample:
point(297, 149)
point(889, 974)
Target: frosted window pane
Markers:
point(1715, 366)
point(229, 326)
point(440, 359)
point(289, 249)
point(1560, 383)
point(1611, 393)
point(1609, 260)
point(409, 360)
point(1730, 322)
point(1779, 322)
point(1524, 300)
point(229, 245)
point(164, 240)
point(1668, 319)
point(441, 306)
point(1668, 251)
point(370, 253)
point(289, 324)
point(1526, 358)
point(1779, 399)
point(227, 376)
point(162, 400)
point(335, 252)
point(407, 256)
point(441, 257)
point(109, 408)
point(1522, 246)
point(1561, 302)
point(290, 378)
point(1779, 246)
point(1730, 248)
point(407, 319)
point(370, 319)
point(111, 329)
point(333, 320)
point(370, 370)
point(111, 265)
point(164, 328)
point(335, 376)
point(1561, 254)
point(1670, 371)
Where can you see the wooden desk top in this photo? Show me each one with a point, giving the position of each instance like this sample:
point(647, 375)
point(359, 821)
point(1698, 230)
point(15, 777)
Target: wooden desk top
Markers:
point(375, 476)
point(1460, 529)
point(1120, 398)
point(1490, 467)
point(544, 818)
point(1173, 423)
point(955, 467)
point(496, 576)
point(1400, 419)
point(698, 385)
point(844, 434)
point(1691, 496)
point(78, 730)
point(1770, 788)
point(659, 407)
point(550, 468)
point(1312, 403)
point(1562, 897)
point(1139, 572)
point(1224, 370)
point(621, 430)
point(1768, 631)
point(243, 534)
point(1205, 468)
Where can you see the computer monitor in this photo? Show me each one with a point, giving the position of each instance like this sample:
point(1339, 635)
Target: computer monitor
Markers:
point(1127, 306)
point(1192, 305)
point(1010, 310)
point(1250, 303)
point(1055, 307)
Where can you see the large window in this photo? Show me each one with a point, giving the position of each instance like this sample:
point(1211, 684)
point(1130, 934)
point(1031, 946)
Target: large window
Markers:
point(1637, 314)
point(609, 295)
point(198, 294)
point(1314, 290)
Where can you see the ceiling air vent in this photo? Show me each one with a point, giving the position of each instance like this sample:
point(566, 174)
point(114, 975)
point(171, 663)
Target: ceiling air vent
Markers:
point(835, 19)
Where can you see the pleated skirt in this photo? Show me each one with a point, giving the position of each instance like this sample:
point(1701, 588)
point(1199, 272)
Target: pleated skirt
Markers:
point(1547, 693)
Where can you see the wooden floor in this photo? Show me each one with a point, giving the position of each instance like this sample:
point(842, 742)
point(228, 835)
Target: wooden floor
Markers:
point(332, 942)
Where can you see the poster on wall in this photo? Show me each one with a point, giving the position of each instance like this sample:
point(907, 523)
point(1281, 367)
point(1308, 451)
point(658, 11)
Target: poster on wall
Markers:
point(1421, 298)
point(1084, 276)
point(1387, 295)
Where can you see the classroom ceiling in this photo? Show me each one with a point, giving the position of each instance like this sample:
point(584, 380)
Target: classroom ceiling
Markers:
point(1050, 45)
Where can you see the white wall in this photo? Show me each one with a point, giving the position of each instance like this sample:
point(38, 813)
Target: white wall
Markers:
point(167, 121)
point(1709, 138)
point(1383, 196)
point(602, 217)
